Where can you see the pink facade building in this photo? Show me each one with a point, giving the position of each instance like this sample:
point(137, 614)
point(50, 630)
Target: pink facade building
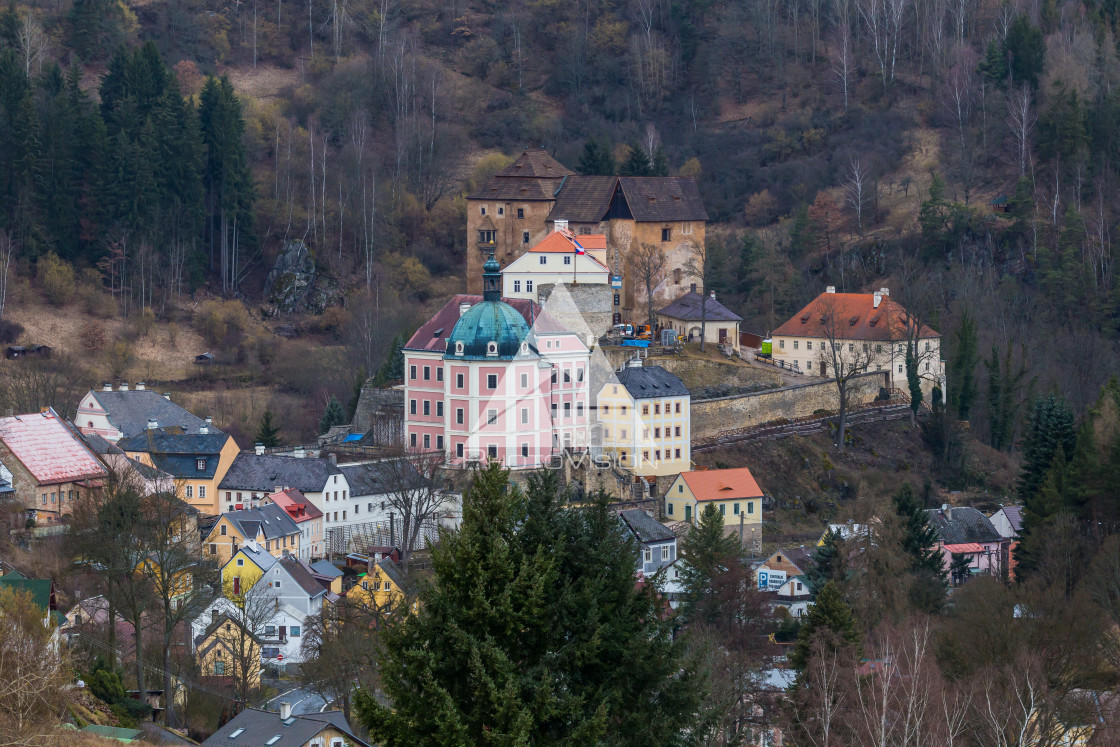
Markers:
point(489, 380)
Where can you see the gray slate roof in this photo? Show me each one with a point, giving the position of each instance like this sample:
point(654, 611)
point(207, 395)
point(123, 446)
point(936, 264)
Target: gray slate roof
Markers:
point(687, 308)
point(326, 568)
point(663, 198)
point(395, 573)
point(264, 472)
point(164, 442)
point(258, 727)
point(647, 382)
point(130, 411)
point(99, 445)
point(966, 525)
point(377, 478)
point(270, 518)
point(301, 573)
point(646, 528)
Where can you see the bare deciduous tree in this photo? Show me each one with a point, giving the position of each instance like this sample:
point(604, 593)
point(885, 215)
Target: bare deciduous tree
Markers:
point(250, 609)
point(840, 357)
point(1020, 122)
point(416, 495)
point(34, 678)
point(855, 189)
point(7, 254)
point(647, 263)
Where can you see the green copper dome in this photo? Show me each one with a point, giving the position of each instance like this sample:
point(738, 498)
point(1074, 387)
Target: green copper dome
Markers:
point(484, 323)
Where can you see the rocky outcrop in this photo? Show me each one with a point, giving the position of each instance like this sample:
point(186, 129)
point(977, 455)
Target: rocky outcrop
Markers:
point(294, 284)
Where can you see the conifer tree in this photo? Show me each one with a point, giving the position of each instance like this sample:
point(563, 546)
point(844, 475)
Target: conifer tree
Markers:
point(828, 562)
point(1050, 427)
point(660, 163)
point(596, 159)
point(532, 631)
point(268, 433)
point(913, 381)
point(707, 552)
point(333, 414)
point(919, 538)
point(393, 367)
point(829, 613)
point(962, 367)
point(636, 163)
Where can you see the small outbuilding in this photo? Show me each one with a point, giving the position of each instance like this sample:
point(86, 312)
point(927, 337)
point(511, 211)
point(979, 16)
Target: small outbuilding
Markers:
point(694, 314)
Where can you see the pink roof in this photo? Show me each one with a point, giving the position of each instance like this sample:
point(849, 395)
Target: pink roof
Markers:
point(49, 449)
point(296, 505)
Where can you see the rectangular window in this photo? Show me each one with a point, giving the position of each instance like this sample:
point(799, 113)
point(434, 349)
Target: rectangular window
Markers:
point(459, 450)
point(521, 214)
point(579, 374)
point(579, 408)
point(677, 454)
point(657, 455)
point(294, 631)
point(223, 530)
point(412, 407)
point(677, 431)
point(427, 407)
point(491, 381)
point(680, 488)
point(567, 259)
point(645, 409)
point(482, 210)
point(439, 442)
point(669, 508)
point(657, 409)
point(459, 415)
point(750, 507)
point(623, 434)
point(645, 456)
point(851, 347)
point(808, 344)
point(528, 286)
point(678, 408)
point(554, 411)
point(795, 344)
point(567, 409)
point(200, 464)
point(213, 548)
point(516, 286)
point(491, 417)
point(735, 509)
point(459, 381)
point(201, 491)
point(427, 441)
point(648, 555)
point(524, 381)
point(412, 440)
point(657, 433)
point(524, 415)
point(722, 510)
point(544, 259)
point(439, 409)
point(782, 344)
point(525, 450)
point(485, 237)
point(427, 373)
point(666, 234)
point(439, 374)
point(412, 372)
point(524, 237)
point(567, 376)
point(809, 365)
point(501, 211)
point(492, 451)
point(190, 492)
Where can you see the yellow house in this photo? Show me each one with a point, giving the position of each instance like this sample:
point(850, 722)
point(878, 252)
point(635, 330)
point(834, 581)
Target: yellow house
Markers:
point(181, 581)
point(244, 569)
point(269, 526)
point(384, 587)
point(197, 462)
point(643, 420)
point(228, 649)
point(733, 491)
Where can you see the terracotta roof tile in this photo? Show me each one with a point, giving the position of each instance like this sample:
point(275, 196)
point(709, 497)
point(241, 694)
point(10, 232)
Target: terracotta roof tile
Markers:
point(557, 243)
point(856, 318)
point(722, 484)
point(49, 449)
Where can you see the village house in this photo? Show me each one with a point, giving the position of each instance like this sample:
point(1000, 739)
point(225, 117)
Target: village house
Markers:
point(269, 526)
point(41, 592)
point(383, 587)
point(197, 462)
point(794, 595)
point(495, 381)
point(775, 571)
point(516, 207)
point(255, 474)
point(284, 729)
point(643, 418)
point(964, 531)
point(658, 544)
point(871, 332)
point(149, 479)
point(557, 259)
point(307, 517)
point(223, 648)
point(1008, 521)
point(733, 492)
point(125, 413)
point(50, 465)
point(691, 316)
point(327, 574)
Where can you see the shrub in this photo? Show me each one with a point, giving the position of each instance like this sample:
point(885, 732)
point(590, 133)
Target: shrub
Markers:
point(221, 323)
point(93, 335)
point(56, 278)
point(9, 331)
point(119, 358)
point(332, 319)
point(143, 321)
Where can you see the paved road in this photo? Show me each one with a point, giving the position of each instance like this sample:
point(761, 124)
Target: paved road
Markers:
point(302, 701)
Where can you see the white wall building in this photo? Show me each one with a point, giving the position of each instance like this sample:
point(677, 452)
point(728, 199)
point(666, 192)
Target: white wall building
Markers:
point(557, 260)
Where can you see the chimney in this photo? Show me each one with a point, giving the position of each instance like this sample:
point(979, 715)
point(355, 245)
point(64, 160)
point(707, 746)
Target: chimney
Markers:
point(634, 362)
point(830, 289)
point(561, 224)
point(285, 711)
point(334, 458)
point(203, 429)
point(878, 298)
point(213, 616)
point(947, 510)
point(277, 488)
point(122, 387)
point(299, 453)
point(167, 396)
point(464, 307)
point(106, 387)
point(140, 386)
point(713, 295)
point(885, 291)
point(209, 420)
point(259, 449)
point(152, 425)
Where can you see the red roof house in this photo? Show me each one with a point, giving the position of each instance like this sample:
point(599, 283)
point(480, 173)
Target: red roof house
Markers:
point(51, 464)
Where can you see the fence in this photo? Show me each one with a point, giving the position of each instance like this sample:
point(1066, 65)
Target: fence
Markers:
point(362, 536)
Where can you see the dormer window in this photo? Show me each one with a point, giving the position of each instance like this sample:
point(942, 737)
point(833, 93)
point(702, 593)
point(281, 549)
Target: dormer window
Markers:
point(459, 348)
point(524, 348)
point(200, 464)
point(491, 348)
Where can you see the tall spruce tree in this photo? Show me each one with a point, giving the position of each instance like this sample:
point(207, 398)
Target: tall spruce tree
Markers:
point(659, 166)
point(1049, 428)
point(333, 414)
point(828, 562)
point(919, 538)
point(707, 551)
point(596, 159)
point(393, 367)
point(829, 613)
point(268, 433)
point(636, 162)
point(962, 367)
point(532, 631)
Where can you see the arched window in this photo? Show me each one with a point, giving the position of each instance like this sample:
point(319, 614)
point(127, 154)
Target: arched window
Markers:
point(491, 348)
point(459, 348)
point(677, 276)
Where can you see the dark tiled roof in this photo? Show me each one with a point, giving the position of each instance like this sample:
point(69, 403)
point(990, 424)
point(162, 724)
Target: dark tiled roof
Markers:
point(374, 478)
point(647, 382)
point(395, 573)
point(99, 445)
point(536, 163)
point(270, 518)
point(802, 557)
point(966, 525)
point(502, 188)
point(444, 320)
point(163, 442)
point(663, 198)
point(39, 589)
point(687, 308)
point(258, 727)
point(130, 411)
point(302, 574)
point(222, 619)
point(584, 199)
point(186, 465)
point(326, 568)
point(646, 528)
point(263, 472)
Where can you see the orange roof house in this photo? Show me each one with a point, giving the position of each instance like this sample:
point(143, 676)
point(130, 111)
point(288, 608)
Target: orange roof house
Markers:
point(855, 316)
point(734, 493)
